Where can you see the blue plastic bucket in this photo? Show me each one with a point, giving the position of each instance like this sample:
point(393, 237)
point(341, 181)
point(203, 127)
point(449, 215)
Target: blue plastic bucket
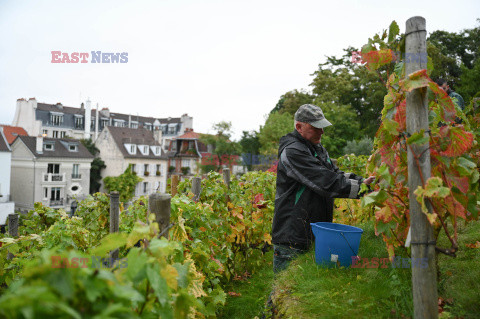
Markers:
point(335, 243)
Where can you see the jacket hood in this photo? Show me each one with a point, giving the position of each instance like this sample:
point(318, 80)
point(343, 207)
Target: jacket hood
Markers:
point(289, 139)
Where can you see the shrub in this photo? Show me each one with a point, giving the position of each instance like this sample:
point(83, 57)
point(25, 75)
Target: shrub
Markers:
point(361, 147)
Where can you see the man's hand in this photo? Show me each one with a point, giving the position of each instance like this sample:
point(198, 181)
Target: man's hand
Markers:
point(369, 180)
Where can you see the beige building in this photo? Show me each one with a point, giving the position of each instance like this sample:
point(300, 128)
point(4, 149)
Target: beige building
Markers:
point(54, 172)
point(121, 146)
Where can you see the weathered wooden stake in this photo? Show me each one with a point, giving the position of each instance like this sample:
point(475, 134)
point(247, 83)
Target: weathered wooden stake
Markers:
point(196, 188)
point(114, 219)
point(424, 281)
point(226, 179)
point(12, 229)
point(226, 176)
point(174, 187)
point(159, 204)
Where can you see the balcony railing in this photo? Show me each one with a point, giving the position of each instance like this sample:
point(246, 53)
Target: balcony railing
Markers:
point(49, 177)
point(56, 202)
point(76, 176)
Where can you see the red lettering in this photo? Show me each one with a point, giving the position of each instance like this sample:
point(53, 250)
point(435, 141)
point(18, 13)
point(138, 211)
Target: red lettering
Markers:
point(356, 262)
point(83, 261)
point(74, 263)
point(384, 262)
point(65, 58)
point(84, 56)
point(55, 261)
point(55, 58)
point(75, 57)
point(373, 262)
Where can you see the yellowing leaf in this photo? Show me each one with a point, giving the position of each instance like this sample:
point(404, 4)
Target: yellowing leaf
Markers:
point(170, 274)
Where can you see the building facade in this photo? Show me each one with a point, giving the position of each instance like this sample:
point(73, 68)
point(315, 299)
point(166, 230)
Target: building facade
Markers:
point(54, 172)
point(121, 146)
point(58, 121)
point(6, 205)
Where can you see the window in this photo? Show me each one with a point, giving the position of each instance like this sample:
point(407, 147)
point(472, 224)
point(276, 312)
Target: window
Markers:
point(72, 148)
point(134, 168)
point(145, 169)
point(45, 133)
point(56, 119)
point(134, 124)
point(53, 168)
point(48, 147)
point(119, 123)
point(75, 171)
point(62, 134)
point(157, 150)
point(158, 170)
point(172, 130)
point(78, 122)
point(174, 145)
point(132, 149)
point(145, 187)
point(55, 134)
point(45, 193)
point(55, 193)
point(191, 145)
point(145, 150)
point(185, 162)
point(104, 122)
point(148, 126)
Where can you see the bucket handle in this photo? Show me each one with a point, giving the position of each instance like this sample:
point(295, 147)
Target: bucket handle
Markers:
point(354, 253)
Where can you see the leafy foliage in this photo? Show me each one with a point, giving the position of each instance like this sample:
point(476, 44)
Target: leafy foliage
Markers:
point(361, 147)
point(452, 154)
point(96, 166)
point(276, 125)
point(223, 147)
point(124, 184)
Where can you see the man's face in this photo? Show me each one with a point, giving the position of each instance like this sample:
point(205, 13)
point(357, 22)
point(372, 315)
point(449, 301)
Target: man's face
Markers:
point(445, 87)
point(310, 133)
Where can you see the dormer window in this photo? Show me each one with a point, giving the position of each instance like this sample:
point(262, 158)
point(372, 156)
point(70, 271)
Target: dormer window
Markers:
point(134, 124)
point(143, 149)
point(72, 148)
point(119, 123)
point(156, 150)
point(56, 118)
point(48, 147)
point(131, 148)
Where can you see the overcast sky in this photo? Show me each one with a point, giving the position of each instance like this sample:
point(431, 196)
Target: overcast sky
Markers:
point(215, 60)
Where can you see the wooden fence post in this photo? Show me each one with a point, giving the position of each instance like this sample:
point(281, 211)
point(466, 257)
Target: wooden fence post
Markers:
point(114, 219)
point(174, 185)
point(159, 204)
point(424, 281)
point(196, 188)
point(12, 229)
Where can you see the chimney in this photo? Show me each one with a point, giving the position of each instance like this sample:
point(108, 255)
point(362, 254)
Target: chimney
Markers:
point(96, 123)
point(88, 119)
point(59, 105)
point(39, 144)
point(82, 106)
point(157, 135)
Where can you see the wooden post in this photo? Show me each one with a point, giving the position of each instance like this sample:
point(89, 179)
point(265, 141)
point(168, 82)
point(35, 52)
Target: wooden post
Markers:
point(196, 188)
point(226, 176)
point(174, 185)
point(12, 229)
point(424, 281)
point(114, 219)
point(159, 204)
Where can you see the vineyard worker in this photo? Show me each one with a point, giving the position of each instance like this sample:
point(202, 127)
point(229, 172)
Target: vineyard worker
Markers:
point(456, 98)
point(307, 183)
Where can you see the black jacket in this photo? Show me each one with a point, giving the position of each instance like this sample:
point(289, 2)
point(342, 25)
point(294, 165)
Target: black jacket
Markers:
point(307, 183)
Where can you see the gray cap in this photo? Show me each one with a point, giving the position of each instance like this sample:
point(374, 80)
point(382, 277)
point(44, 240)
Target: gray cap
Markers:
point(313, 115)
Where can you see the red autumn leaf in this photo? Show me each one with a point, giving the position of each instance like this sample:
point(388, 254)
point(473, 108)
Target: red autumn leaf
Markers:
point(461, 182)
point(454, 207)
point(458, 140)
point(234, 294)
point(401, 116)
point(444, 101)
point(415, 80)
point(375, 59)
point(203, 229)
point(474, 245)
point(258, 198)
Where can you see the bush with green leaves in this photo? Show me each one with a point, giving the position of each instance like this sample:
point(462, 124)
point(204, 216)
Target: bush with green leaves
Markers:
point(361, 147)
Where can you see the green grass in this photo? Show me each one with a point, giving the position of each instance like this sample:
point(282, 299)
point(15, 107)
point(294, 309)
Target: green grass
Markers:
point(254, 292)
point(306, 290)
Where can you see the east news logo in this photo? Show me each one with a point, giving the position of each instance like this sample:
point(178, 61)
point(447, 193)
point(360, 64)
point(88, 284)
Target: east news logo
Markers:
point(82, 57)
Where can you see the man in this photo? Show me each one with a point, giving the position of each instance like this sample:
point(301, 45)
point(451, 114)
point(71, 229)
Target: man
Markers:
point(456, 98)
point(307, 183)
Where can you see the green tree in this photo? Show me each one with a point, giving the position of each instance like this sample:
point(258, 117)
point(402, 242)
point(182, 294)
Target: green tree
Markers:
point(96, 166)
point(291, 101)
point(124, 184)
point(250, 146)
point(276, 125)
point(223, 147)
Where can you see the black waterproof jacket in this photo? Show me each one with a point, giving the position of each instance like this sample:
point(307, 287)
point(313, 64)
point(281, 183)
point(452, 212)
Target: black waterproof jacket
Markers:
point(307, 183)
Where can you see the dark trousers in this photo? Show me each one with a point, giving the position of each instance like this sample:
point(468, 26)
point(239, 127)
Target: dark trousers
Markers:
point(282, 255)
